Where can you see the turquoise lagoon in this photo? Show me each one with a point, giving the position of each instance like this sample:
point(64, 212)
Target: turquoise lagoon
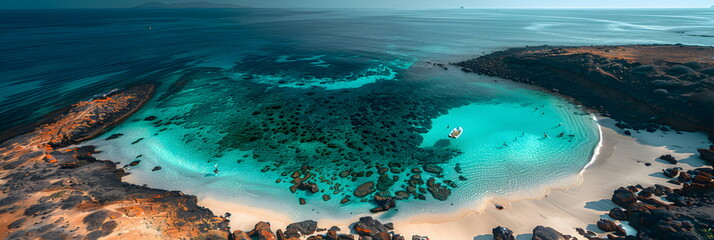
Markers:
point(495, 114)
point(261, 92)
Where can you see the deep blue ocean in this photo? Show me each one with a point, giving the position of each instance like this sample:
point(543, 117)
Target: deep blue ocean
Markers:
point(260, 93)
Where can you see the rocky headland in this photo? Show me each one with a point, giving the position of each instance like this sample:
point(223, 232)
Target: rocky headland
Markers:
point(51, 190)
point(644, 86)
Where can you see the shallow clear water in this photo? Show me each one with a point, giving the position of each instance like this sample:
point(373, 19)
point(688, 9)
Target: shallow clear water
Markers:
point(260, 93)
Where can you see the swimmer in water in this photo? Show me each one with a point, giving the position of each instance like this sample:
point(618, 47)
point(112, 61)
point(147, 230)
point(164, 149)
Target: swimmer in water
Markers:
point(215, 169)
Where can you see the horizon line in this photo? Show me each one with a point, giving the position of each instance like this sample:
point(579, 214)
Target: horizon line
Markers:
point(394, 8)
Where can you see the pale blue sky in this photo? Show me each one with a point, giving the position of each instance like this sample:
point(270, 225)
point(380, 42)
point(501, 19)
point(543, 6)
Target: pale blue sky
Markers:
point(379, 3)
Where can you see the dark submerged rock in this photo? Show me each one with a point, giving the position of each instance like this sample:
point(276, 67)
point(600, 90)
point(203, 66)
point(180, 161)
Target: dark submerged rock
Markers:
point(437, 191)
point(364, 189)
point(433, 168)
point(114, 136)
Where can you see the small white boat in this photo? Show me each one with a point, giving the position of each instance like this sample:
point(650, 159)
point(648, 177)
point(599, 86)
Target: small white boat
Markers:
point(456, 132)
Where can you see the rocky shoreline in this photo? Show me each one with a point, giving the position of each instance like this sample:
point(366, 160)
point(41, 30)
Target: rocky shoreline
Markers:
point(52, 191)
point(643, 86)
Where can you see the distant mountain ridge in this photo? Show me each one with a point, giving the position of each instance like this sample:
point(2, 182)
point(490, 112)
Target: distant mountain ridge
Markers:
point(188, 5)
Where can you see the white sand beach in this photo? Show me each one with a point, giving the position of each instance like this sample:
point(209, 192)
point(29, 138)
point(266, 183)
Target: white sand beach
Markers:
point(621, 162)
point(579, 202)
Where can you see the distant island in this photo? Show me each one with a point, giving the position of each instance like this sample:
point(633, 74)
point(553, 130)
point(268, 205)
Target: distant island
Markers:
point(188, 5)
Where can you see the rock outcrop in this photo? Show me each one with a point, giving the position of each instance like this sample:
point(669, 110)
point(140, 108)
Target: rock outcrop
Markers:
point(304, 228)
point(502, 233)
point(689, 212)
point(548, 233)
point(72, 194)
point(364, 189)
point(384, 202)
point(624, 197)
point(369, 227)
point(618, 214)
point(262, 231)
point(707, 154)
point(610, 226)
point(643, 86)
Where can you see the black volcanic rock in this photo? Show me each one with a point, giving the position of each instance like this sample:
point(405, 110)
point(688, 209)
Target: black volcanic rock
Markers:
point(624, 197)
point(502, 233)
point(668, 158)
point(384, 202)
point(618, 214)
point(642, 85)
point(308, 186)
point(707, 154)
point(367, 226)
point(610, 226)
point(306, 227)
point(671, 172)
point(547, 233)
